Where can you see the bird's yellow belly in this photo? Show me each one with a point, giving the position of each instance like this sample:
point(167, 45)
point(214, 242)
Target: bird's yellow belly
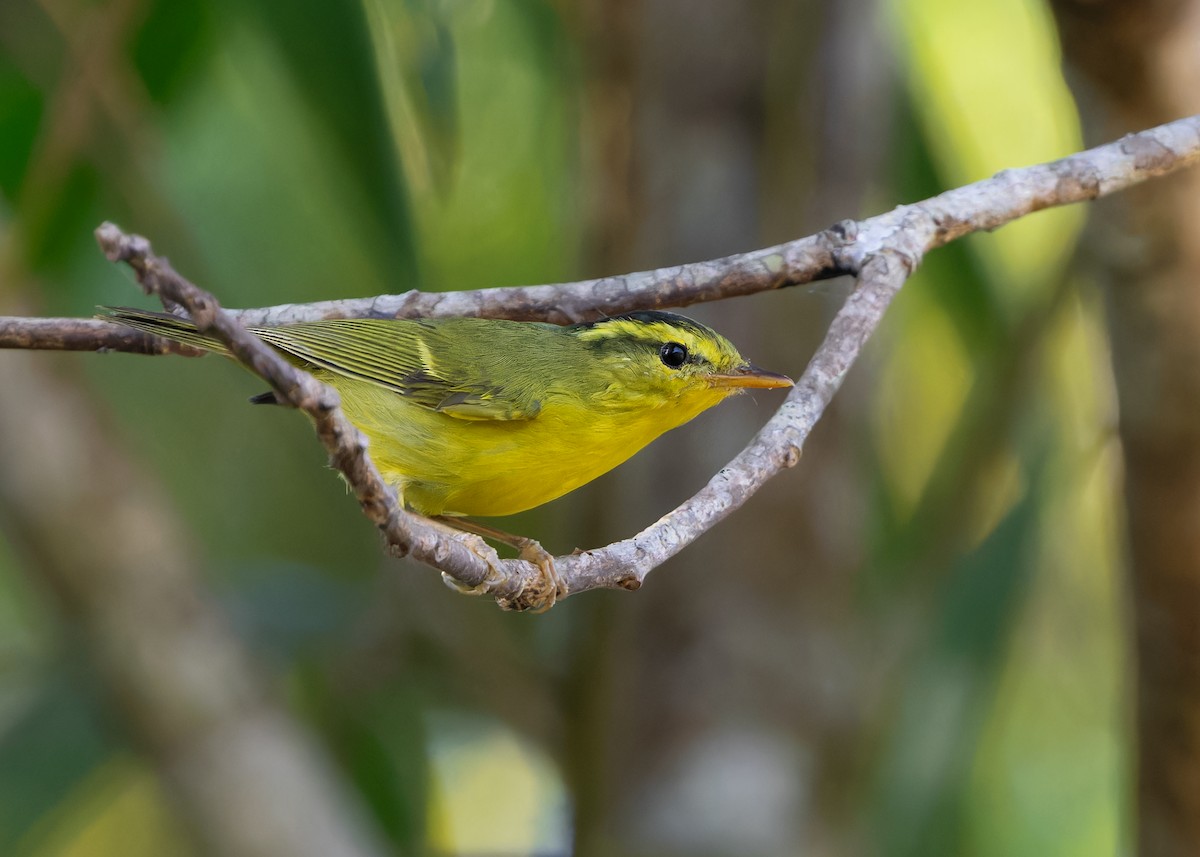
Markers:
point(443, 465)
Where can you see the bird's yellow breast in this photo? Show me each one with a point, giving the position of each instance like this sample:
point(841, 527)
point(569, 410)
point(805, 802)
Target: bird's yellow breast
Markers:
point(443, 465)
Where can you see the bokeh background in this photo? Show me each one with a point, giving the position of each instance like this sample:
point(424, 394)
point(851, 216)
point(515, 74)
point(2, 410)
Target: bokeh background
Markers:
point(911, 644)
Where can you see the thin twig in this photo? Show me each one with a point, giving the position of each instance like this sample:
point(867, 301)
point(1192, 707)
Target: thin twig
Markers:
point(777, 447)
point(981, 206)
point(882, 251)
point(83, 334)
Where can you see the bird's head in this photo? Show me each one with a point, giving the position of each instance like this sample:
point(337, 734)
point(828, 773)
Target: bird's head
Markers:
point(658, 359)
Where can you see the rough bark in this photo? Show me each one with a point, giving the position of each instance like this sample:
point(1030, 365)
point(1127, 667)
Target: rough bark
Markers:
point(1133, 63)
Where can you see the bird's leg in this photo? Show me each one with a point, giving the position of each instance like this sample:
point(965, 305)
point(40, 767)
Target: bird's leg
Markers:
point(476, 545)
point(537, 599)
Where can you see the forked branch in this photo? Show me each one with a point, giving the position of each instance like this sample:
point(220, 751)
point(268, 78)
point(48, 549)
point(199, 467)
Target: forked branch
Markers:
point(881, 252)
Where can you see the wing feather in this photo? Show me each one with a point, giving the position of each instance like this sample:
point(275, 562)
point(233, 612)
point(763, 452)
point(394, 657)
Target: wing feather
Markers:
point(416, 359)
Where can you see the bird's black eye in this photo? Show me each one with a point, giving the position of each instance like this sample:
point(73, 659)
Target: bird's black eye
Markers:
point(673, 354)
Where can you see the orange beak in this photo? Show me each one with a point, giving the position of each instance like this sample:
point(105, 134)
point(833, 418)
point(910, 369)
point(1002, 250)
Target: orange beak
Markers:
point(748, 376)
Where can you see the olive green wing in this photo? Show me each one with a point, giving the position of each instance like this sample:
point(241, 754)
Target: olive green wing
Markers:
point(424, 361)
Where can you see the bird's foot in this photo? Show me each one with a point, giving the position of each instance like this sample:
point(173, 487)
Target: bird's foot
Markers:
point(462, 588)
point(476, 545)
point(541, 594)
point(535, 596)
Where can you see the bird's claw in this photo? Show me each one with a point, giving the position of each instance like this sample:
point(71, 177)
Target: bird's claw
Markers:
point(541, 594)
point(480, 548)
point(534, 596)
point(461, 588)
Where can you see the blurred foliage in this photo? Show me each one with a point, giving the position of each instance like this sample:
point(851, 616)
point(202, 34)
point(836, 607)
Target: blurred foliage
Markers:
point(284, 152)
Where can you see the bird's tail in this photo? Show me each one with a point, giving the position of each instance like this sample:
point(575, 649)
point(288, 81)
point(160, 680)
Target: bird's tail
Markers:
point(175, 328)
point(163, 324)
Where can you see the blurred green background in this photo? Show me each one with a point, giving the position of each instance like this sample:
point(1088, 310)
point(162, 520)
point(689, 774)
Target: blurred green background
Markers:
point(909, 645)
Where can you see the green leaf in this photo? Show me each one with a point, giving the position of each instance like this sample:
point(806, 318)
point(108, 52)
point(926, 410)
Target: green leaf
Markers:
point(21, 106)
point(52, 745)
point(171, 45)
point(328, 49)
point(925, 762)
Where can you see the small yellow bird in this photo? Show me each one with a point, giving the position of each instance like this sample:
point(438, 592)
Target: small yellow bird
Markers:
point(473, 416)
point(483, 417)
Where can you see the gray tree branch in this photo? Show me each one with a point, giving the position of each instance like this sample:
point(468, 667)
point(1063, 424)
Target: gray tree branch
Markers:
point(981, 206)
point(881, 251)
